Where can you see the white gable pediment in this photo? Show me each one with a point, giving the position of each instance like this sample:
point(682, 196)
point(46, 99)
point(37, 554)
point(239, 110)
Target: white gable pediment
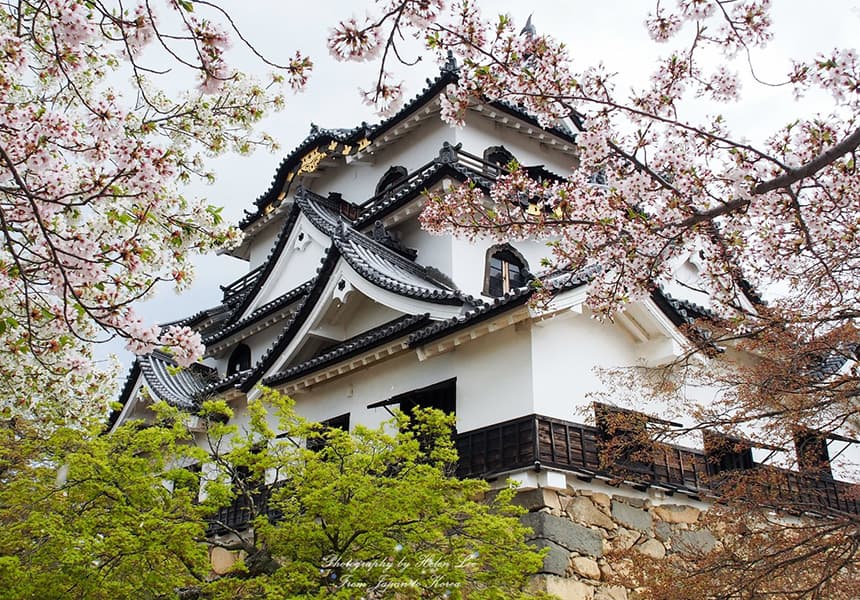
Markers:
point(348, 306)
point(297, 263)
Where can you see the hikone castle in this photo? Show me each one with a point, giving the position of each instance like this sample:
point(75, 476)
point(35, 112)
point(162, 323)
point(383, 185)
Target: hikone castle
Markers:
point(352, 309)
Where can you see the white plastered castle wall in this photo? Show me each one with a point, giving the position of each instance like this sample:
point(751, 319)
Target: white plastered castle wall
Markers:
point(493, 383)
point(263, 243)
point(357, 180)
point(481, 133)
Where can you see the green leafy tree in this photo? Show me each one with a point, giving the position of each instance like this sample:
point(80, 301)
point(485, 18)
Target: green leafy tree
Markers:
point(90, 517)
point(369, 514)
point(372, 513)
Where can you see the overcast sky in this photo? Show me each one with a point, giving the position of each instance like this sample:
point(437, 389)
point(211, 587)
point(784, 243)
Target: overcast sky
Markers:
point(611, 31)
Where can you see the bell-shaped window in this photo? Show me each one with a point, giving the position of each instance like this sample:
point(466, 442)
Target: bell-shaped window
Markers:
point(506, 270)
point(497, 159)
point(240, 360)
point(392, 177)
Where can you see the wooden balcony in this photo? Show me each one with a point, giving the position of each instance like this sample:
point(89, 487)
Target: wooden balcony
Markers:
point(535, 440)
point(233, 292)
point(538, 441)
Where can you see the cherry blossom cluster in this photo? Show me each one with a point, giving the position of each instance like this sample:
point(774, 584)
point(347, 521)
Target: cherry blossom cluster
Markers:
point(91, 216)
point(492, 55)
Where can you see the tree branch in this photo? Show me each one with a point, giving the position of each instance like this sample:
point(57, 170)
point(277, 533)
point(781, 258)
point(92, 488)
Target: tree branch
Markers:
point(827, 157)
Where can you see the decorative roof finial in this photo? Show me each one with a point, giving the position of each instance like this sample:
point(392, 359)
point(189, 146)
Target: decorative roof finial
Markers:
point(448, 153)
point(529, 30)
point(450, 65)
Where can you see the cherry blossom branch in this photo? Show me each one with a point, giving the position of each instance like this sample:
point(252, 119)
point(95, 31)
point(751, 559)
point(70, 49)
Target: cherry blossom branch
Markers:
point(826, 158)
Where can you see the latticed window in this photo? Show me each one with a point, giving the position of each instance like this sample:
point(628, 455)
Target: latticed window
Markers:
point(505, 272)
point(725, 453)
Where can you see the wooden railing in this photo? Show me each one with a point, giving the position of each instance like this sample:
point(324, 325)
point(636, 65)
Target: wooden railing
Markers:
point(538, 441)
point(234, 289)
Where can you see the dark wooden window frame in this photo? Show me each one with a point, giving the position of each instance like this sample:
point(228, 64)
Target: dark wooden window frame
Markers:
point(496, 285)
point(496, 159)
point(339, 422)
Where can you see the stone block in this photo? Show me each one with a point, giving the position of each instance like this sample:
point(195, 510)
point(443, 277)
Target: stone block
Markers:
point(586, 567)
point(611, 592)
point(583, 510)
point(533, 500)
point(634, 518)
point(601, 500)
point(625, 539)
point(563, 532)
point(635, 502)
point(652, 548)
point(222, 560)
point(557, 559)
point(561, 587)
point(693, 542)
point(677, 513)
point(662, 531)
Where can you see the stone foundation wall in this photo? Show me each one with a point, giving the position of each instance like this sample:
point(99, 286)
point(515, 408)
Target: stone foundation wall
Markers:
point(582, 528)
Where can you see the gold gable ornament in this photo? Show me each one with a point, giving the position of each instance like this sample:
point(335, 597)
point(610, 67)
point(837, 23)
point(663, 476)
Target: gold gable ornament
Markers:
point(364, 143)
point(311, 161)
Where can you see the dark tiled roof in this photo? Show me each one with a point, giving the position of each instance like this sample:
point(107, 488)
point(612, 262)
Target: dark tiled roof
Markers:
point(318, 210)
point(198, 321)
point(511, 299)
point(680, 312)
point(220, 385)
point(263, 311)
point(178, 387)
point(387, 269)
point(306, 305)
point(369, 339)
point(373, 261)
point(315, 139)
point(414, 184)
point(519, 112)
point(433, 87)
point(439, 329)
point(319, 137)
point(268, 265)
point(830, 365)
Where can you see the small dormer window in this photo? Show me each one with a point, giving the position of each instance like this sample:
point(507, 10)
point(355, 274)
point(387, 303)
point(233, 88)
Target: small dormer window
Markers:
point(392, 177)
point(240, 360)
point(506, 270)
point(497, 158)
